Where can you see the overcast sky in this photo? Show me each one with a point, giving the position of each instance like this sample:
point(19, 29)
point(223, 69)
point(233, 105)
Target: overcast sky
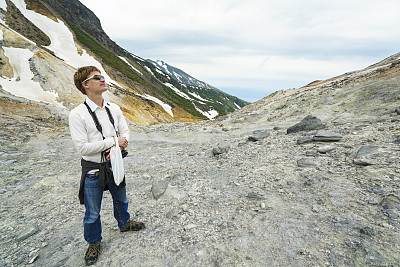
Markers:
point(253, 48)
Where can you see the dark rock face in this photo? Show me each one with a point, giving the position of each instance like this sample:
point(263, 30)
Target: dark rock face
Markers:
point(74, 11)
point(307, 124)
point(18, 22)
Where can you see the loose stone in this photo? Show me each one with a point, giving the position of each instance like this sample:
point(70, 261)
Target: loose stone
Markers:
point(258, 135)
point(221, 148)
point(304, 140)
point(368, 231)
point(306, 162)
point(327, 136)
point(326, 149)
point(158, 188)
point(29, 231)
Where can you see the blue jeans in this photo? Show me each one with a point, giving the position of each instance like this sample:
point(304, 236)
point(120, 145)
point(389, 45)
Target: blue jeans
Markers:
point(93, 194)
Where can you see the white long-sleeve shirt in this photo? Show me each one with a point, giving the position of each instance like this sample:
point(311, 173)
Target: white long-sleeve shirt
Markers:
point(87, 138)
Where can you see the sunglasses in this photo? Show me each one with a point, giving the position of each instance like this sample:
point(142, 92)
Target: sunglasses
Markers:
point(96, 77)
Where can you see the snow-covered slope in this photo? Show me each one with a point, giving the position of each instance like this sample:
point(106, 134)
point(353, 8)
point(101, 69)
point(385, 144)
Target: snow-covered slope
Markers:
point(62, 44)
point(22, 79)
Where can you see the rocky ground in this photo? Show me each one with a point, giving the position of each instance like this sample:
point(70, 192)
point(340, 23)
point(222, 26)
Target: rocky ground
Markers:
point(258, 202)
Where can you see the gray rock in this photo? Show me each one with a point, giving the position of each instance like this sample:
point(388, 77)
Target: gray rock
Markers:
point(221, 148)
point(397, 141)
point(364, 162)
point(258, 135)
point(27, 232)
point(327, 136)
point(391, 202)
point(377, 191)
point(304, 140)
point(255, 196)
point(316, 208)
point(306, 162)
point(339, 121)
point(308, 123)
point(366, 155)
point(336, 194)
point(368, 231)
point(8, 161)
point(367, 151)
point(326, 149)
point(158, 188)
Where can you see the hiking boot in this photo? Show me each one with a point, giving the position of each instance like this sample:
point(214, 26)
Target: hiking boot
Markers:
point(92, 253)
point(132, 226)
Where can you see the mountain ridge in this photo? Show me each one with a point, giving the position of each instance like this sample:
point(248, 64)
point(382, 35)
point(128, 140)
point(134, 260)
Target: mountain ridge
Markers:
point(179, 74)
point(384, 70)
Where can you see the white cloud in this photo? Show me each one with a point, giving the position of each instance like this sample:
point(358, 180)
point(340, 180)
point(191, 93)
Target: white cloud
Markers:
point(290, 40)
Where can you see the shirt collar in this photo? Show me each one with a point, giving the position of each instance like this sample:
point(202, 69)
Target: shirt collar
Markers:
point(93, 105)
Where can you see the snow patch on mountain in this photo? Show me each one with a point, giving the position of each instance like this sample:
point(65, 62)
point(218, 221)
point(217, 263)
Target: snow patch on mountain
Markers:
point(179, 75)
point(161, 72)
point(165, 106)
point(130, 65)
point(22, 84)
point(149, 70)
point(211, 114)
point(3, 5)
point(198, 97)
point(163, 66)
point(62, 40)
point(178, 92)
point(63, 46)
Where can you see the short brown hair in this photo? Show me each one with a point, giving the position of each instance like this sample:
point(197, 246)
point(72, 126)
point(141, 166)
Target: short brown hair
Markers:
point(82, 74)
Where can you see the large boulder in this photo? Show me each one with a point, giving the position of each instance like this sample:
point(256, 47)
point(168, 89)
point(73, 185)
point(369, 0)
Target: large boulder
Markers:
point(307, 124)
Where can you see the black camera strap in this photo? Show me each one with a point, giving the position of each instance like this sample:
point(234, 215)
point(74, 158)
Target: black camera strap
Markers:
point(96, 120)
point(100, 129)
